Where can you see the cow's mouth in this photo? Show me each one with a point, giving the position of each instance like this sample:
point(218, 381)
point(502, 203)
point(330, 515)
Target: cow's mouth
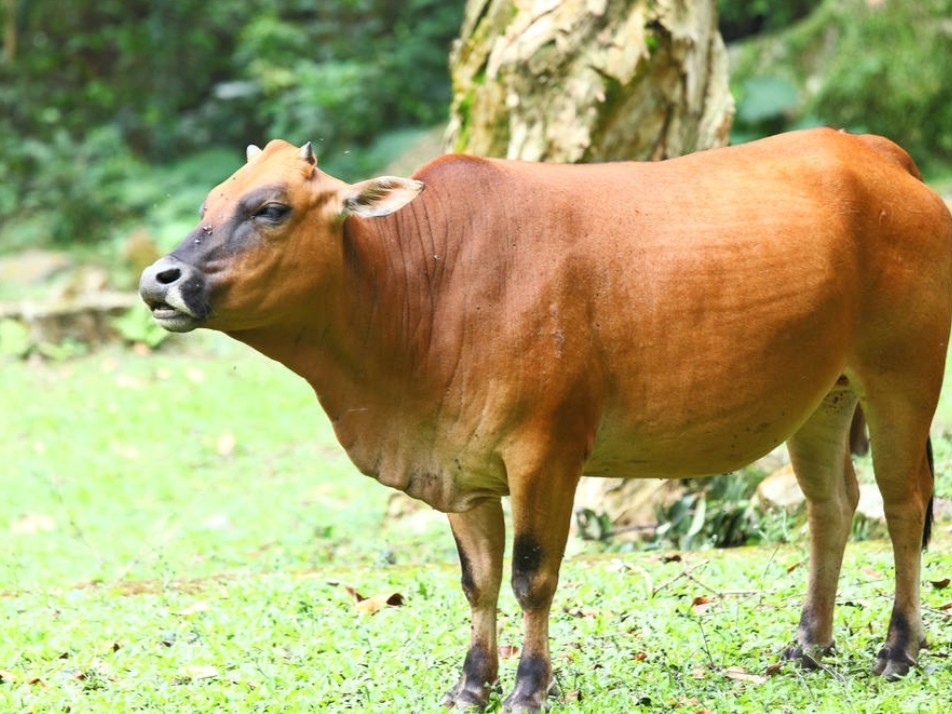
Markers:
point(172, 319)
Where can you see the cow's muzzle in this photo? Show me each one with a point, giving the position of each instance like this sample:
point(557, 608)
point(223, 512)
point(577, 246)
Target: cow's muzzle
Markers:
point(175, 293)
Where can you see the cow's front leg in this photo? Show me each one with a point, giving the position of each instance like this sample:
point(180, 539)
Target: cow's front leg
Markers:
point(480, 538)
point(541, 511)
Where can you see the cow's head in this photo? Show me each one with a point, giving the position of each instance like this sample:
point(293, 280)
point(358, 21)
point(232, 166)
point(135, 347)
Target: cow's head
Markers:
point(268, 238)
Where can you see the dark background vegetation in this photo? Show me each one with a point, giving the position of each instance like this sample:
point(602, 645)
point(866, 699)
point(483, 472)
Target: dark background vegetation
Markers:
point(98, 97)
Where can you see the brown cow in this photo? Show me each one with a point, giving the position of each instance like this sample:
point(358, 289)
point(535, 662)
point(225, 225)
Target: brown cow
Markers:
point(517, 325)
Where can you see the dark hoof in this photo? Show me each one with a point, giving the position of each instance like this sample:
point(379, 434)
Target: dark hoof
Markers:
point(472, 698)
point(893, 664)
point(524, 704)
point(808, 656)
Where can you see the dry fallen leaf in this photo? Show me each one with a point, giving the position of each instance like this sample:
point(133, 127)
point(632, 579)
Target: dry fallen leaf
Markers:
point(739, 675)
point(370, 605)
point(226, 444)
point(640, 656)
point(33, 523)
point(376, 603)
point(195, 608)
point(671, 558)
point(508, 651)
point(701, 604)
point(774, 669)
point(351, 591)
point(199, 671)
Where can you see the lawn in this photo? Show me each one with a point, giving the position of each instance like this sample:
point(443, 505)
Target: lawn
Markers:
point(181, 533)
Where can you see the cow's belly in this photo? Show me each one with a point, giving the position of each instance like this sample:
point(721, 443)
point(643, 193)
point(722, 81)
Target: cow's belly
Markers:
point(695, 452)
point(723, 430)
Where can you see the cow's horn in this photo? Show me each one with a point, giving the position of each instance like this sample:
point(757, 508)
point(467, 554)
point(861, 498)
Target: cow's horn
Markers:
point(252, 151)
point(307, 153)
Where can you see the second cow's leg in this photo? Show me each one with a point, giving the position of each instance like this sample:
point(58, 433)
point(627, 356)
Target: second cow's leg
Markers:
point(480, 538)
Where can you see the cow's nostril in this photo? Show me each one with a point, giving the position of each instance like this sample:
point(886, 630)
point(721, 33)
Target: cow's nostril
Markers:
point(169, 276)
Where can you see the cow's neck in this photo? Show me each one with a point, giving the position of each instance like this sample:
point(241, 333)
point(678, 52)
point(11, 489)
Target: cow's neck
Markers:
point(368, 352)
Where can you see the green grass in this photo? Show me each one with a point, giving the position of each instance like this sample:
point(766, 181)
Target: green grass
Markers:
point(180, 531)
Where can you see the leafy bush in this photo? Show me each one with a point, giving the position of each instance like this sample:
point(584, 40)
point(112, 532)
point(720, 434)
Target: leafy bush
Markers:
point(312, 82)
point(878, 67)
point(890, 74)
point(97, 90)
point(65, 190)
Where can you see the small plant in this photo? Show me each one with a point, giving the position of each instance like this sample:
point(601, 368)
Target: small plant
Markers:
point(137, 327)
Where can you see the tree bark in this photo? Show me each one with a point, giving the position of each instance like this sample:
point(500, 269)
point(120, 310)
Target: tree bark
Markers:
point(9, 31)
point(591, 80)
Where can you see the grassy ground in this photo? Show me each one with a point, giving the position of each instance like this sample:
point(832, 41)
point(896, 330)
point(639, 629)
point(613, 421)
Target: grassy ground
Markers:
point(181, 533)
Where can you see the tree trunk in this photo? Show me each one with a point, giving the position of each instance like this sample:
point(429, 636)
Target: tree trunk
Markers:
point(9, 31)
point(591, 80)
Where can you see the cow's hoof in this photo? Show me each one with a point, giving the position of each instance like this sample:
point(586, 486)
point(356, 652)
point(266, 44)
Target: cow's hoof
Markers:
point(808, 656)
point(518, 704)
point(893, 663)
point(469, 699)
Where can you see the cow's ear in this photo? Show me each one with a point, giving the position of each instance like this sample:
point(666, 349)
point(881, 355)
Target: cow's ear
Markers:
point(380, 196)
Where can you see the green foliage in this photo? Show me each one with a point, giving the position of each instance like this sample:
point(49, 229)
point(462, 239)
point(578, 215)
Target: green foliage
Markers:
point(65, 191)
point(99, 89)
point(765, 105)
point(16, 341)
point(14, 338)
point(879, 67)
point(312, 82)
point(721, 512)
point(136, 326)
point(890, 74)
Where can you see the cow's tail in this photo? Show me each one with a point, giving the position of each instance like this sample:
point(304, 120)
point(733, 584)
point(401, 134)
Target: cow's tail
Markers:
point(927, 528)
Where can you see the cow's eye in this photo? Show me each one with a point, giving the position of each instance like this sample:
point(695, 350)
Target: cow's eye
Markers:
point(272, 212)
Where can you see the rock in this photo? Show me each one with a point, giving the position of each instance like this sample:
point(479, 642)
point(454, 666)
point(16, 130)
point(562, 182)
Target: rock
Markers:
point(85, 318)
point(630, 504)
point(411, 514)
point(870, 502)
point(780, 490)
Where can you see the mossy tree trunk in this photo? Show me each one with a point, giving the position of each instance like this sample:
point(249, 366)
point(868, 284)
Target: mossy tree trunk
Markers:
point(591, 80)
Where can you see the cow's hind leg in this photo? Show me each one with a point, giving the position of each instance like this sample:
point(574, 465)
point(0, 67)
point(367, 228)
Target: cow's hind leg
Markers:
point(820, 455)
point(480, 540)
point(899, 433)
